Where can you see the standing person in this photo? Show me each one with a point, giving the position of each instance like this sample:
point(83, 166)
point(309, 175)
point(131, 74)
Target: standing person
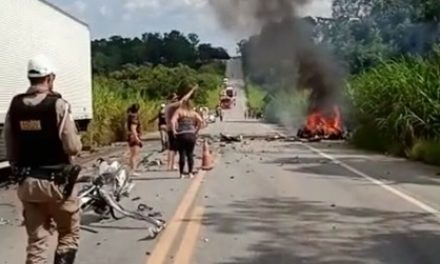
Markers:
point(186, 124)
point(219, 112)
point(162, 126)
point(41, 137)
point(170, 109)
point(134, 136)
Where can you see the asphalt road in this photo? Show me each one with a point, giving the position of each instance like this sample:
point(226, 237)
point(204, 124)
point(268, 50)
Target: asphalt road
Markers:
point(268, 202)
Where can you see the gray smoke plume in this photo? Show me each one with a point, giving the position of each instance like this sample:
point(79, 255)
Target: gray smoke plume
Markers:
point(283, 54)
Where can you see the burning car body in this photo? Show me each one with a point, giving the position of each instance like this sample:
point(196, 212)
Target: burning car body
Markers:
point(323, 125)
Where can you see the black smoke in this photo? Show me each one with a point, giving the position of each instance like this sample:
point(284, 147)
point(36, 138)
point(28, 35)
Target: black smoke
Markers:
point(282, 55)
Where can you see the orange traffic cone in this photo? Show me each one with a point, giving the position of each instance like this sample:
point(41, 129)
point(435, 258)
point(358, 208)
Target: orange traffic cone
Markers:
point(207, 161)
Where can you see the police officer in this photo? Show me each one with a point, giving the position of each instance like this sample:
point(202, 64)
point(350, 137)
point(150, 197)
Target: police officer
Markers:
point(41, 137)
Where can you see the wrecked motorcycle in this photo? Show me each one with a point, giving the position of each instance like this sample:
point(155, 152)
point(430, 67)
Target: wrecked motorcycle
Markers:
point(105, 192)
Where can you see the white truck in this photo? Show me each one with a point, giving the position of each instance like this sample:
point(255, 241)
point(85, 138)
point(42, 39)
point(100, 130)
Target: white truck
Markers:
point(32, 27)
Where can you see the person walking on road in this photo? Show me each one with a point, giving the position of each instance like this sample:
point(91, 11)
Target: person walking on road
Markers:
point(162, 126)
point(41, 138)
point(170, 109)
point(134, 136)
point(186, 124)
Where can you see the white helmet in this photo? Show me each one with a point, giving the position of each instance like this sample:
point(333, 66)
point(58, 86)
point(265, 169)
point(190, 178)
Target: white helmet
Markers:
point(40, 66)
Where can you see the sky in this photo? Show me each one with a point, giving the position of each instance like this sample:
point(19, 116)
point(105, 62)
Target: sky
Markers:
point(130, 18)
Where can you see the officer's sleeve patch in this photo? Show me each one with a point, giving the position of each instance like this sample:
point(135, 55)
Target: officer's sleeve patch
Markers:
point(30, 125)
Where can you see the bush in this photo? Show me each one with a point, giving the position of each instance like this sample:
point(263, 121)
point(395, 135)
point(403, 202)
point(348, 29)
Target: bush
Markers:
point(426, 151)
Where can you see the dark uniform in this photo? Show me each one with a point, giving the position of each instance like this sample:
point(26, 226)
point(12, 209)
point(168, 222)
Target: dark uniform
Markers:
point(41, 137)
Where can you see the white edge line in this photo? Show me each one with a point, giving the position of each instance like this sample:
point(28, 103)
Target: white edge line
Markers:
point(400, 194)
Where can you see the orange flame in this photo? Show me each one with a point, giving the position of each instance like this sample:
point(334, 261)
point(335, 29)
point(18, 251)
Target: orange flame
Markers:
point(319, 124)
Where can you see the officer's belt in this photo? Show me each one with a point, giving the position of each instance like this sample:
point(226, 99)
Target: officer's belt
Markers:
point(50, 174)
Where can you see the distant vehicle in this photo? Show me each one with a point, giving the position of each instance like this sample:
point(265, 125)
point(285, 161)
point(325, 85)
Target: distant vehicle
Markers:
point(226, 102)
point(230, 92)
point(32, 27)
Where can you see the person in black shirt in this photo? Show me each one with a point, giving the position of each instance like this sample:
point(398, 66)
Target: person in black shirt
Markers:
point(162, 127)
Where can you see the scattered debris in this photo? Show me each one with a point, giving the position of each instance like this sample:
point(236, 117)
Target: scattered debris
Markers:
point(136, 198)
point(333, 205)
point(206, 197)
point(143, 207)
point(147, 253)
point(103, 195)
point(4, 221)
point(98, 243)
point(314, 139)
point(277, 136)
point(205, 240)
point(232, 177)
point(229, 138)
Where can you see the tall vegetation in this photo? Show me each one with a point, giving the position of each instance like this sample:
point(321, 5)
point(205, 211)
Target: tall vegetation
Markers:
point(147, 71)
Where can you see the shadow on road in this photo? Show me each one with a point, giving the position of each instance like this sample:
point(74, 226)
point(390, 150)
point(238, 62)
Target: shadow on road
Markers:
point(295, 231)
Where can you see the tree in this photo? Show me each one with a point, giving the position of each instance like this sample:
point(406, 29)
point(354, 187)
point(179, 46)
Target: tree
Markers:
point(170, 49)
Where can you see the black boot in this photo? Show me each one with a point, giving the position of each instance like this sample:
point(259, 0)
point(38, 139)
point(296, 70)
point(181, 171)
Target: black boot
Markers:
point(67, 257)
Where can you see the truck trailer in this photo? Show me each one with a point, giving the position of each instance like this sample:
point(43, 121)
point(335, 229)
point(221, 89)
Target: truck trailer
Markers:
point(32, 27)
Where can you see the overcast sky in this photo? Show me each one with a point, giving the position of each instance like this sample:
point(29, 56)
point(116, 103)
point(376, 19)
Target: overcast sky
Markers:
point(131, 18)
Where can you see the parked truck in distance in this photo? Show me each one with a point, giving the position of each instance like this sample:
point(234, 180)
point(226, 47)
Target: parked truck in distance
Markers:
point(32, 27)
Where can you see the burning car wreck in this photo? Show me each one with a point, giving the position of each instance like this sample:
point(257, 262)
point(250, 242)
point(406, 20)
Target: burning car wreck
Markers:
point(321, 124)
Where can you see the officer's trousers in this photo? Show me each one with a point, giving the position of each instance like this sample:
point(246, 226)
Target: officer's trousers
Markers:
point(43, 203)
